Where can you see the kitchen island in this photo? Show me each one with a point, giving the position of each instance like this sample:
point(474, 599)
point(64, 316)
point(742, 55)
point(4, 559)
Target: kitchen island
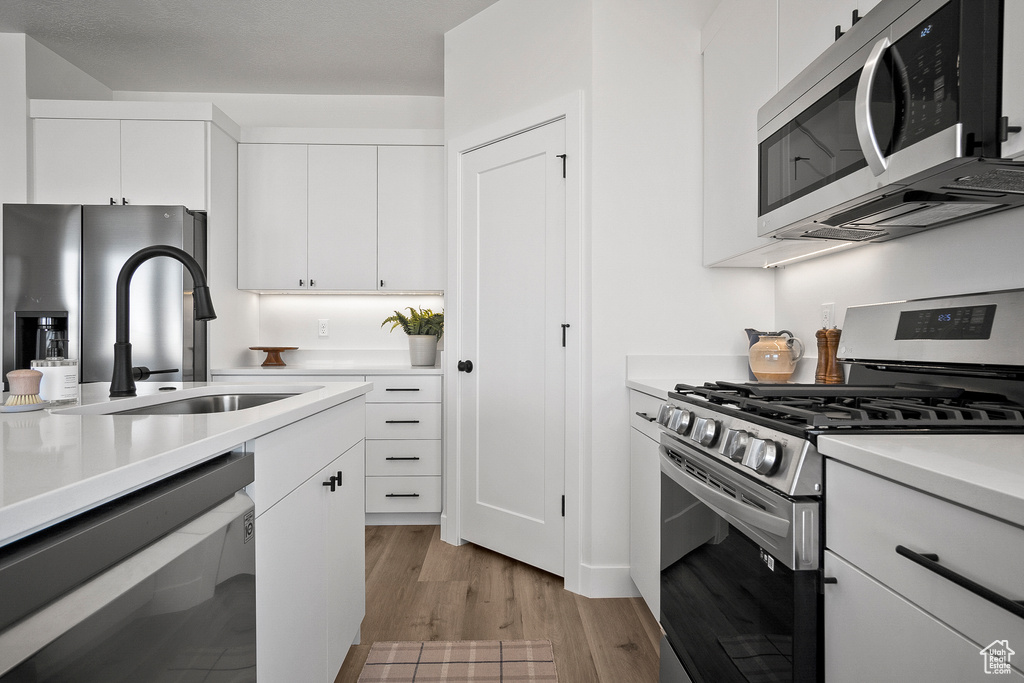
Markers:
point(58, 463)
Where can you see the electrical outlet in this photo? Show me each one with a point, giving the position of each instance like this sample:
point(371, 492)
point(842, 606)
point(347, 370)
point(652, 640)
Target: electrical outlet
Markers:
point(828, 316)
point(323, 328)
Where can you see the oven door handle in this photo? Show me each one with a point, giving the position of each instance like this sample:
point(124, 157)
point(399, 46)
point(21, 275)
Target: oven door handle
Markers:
point(727, 505)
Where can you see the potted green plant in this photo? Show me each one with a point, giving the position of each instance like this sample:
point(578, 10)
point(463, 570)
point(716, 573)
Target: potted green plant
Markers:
point(424, 328)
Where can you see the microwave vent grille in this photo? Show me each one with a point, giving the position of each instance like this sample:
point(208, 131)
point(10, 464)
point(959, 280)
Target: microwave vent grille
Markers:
point(845, 234)
point(997, 179)
point(938, 213)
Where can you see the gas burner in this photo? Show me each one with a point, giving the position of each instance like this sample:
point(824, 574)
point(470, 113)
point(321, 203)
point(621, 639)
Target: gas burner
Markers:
point(898, 407)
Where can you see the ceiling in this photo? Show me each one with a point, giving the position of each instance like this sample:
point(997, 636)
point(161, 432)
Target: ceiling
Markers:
point(342, 47)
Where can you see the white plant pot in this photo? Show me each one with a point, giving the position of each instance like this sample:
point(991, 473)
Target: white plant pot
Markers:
point(423, 349)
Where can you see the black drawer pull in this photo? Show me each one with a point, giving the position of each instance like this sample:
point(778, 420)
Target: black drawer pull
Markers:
point(398, 389)
point(401, 495)
point(402, 457)
point(401, 422)
point(646, 416)
point(930, 561)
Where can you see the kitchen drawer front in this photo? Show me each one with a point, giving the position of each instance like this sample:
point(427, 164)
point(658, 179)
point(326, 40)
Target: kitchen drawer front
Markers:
point(403, 457)
point(872, 634)
point(404, 389)
point(403, 494)
point(403, 420)
point(867, 517)
point(640, 402)
point(310, 444)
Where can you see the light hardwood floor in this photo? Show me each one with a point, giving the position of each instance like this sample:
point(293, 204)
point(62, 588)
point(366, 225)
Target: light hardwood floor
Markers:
point(420, 588)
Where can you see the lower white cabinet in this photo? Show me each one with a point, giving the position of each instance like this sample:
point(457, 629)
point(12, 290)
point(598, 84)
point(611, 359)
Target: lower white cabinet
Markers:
point(310, 546)
point(645, 499)
point(889, 617)
point(403, 446)
point(404, 455)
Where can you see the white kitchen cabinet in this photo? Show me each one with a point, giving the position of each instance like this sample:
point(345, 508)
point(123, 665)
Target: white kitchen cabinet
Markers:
point(309, 534)
point(341, 251)
point(808, 27)
point(403, 447)
point(94, 161)
point(645, 499)
point(272, 219)
point(739, 76)
point(411, 233)
point(341, 218)
point(884, 608)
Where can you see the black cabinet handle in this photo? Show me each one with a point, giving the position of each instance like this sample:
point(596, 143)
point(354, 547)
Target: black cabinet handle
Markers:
point(646, 417)
point(401, 422)
point(402, 457)
point(401, 495)
point(930, 561)
point(112, 202)
point(465, 366)
point(332, 482)
point(398, 389)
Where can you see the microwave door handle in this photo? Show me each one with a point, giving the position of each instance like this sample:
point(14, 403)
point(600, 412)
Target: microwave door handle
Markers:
point(862, 109)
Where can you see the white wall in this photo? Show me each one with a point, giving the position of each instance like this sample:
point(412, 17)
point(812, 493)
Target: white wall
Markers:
point(975, 256)
point(638, 64)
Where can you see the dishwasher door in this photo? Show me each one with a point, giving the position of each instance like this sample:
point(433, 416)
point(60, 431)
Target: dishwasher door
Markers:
point(181, 608)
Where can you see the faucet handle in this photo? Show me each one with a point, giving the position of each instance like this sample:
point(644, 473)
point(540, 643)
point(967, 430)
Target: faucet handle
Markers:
point(141, 373)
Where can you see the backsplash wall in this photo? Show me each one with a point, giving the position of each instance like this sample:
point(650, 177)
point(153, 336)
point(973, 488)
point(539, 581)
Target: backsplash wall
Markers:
point(974, 256)
point(355, 320)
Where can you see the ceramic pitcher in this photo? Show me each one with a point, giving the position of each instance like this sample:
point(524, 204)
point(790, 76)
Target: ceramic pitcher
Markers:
point(773, 357)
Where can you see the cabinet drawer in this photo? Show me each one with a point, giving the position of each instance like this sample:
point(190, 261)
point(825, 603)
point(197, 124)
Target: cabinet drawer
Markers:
point(640, 402)
point(403, 420)
point(403, 494)
point(867, 517)
point(404, 389)
point(871, 634)
point(397, 457)
point(287, 457)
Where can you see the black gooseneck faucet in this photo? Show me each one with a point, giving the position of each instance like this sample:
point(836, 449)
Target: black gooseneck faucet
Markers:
point(122, 383)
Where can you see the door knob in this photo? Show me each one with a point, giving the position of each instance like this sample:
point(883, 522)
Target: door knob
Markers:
point(465, 366)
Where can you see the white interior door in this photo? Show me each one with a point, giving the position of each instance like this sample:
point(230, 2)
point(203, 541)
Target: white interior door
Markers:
point(512, 307)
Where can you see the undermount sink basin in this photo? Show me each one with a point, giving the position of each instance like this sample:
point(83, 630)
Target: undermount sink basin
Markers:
point(201, 405)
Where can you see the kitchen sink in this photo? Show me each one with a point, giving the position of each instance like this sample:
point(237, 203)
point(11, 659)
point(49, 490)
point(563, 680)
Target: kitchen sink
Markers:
point(201, 405)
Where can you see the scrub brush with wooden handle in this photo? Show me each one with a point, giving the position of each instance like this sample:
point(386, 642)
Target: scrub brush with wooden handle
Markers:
point(24, 387)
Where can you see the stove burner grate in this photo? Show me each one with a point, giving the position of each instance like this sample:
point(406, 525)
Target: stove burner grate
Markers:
point(864, 407)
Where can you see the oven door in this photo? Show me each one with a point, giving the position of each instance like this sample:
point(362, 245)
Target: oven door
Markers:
point(742, 603)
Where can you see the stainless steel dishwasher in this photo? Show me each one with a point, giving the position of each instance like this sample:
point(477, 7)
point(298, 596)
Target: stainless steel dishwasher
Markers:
point(158, 585)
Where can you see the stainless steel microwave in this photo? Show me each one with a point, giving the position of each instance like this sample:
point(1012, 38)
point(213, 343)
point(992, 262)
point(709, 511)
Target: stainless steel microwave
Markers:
point(902, 125)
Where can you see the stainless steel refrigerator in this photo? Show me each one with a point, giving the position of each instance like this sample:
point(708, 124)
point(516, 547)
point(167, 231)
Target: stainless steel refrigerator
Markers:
point(60, 266)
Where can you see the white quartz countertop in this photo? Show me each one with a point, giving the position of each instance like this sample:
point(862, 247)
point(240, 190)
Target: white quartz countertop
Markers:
point(326, 368)
point(54, 465)
point(984, 472)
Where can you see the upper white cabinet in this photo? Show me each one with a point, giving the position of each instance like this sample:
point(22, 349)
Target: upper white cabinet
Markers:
point(808, 27)
point(739, 76)
point(342, 248)
point(341, 217)
point(99, 161)
point(411, 242)
point(750, 50)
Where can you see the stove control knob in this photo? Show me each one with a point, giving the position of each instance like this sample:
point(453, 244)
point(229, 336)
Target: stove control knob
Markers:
point(680, 421)
point(763, 456)
point(705, 431)
point(735, 444)
point(664, 413)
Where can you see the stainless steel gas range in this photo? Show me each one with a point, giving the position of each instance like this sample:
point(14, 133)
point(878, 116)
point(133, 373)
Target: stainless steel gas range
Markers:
point(741, 596)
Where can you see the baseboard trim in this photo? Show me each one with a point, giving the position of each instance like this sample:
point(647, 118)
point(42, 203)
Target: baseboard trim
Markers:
point(402, 518)
point(607, 581)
